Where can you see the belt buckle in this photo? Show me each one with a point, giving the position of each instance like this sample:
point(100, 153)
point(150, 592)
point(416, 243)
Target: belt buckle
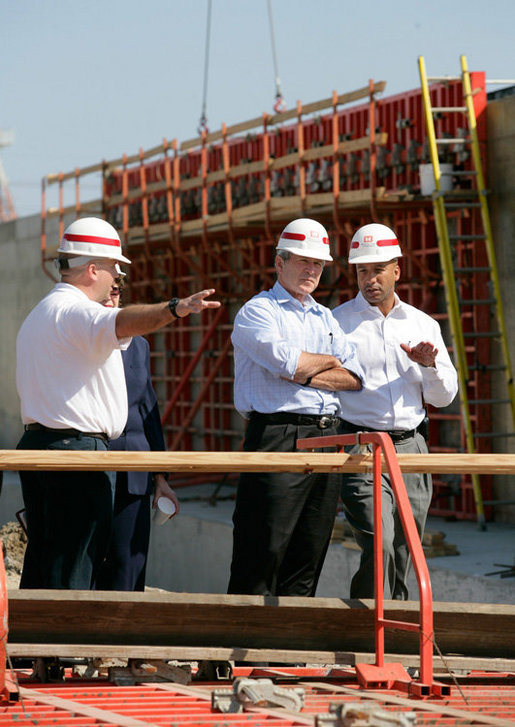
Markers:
point(325, 422)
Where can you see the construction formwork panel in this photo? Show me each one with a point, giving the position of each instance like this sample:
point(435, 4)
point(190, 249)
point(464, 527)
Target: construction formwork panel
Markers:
point(206, 213)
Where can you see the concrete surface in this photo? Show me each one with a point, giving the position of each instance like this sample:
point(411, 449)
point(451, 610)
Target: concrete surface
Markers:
point(192, 551)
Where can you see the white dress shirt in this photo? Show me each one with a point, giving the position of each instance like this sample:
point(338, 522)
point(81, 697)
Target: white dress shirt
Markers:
point(69, 369)
point(270, 332)
point(394, 387)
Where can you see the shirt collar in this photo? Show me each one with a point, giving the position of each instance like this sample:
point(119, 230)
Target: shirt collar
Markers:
point(282, 296)
point(363, 306)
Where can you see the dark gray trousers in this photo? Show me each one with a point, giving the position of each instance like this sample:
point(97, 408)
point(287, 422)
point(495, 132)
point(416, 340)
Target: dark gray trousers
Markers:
point(356, 494)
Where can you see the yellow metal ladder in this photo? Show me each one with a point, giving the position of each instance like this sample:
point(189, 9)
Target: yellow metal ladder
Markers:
point(443, 205)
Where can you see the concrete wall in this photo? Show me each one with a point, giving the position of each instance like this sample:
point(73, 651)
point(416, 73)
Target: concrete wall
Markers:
point(22, 285)
point(501, 201)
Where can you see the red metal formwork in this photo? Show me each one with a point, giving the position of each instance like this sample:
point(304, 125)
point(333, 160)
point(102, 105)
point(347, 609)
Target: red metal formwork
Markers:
point(489, 700)
point(204, 213)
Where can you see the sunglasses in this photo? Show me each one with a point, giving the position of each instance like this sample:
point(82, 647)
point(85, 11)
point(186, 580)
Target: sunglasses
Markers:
point(115, 290)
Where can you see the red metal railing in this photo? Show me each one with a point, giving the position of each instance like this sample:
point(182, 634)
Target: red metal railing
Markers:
point(393, 675)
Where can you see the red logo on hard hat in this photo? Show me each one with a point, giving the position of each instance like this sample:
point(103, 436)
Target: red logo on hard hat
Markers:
point(368, 238)
point(313, 233)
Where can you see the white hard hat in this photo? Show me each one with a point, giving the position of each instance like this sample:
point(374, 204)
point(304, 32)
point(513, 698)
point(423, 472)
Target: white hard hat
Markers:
point(374, 243)
point(306, 237)
point(92, 237)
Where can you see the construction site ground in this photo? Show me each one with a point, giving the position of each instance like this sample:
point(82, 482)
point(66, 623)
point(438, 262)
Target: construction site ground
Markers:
point(192, 552)
point(197, 543)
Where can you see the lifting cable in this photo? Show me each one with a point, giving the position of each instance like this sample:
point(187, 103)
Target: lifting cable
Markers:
point(203, 117)
point(279, 104)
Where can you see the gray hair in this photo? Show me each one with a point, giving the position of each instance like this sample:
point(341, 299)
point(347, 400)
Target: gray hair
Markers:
point(285, 254)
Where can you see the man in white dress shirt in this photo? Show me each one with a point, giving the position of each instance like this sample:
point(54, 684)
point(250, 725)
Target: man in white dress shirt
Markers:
point(405, 363)
point(290, 361)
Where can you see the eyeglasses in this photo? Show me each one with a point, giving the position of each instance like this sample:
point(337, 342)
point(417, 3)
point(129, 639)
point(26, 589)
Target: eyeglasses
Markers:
point(115, 290)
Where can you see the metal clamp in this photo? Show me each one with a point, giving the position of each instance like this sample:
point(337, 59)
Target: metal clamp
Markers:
point(251, 692)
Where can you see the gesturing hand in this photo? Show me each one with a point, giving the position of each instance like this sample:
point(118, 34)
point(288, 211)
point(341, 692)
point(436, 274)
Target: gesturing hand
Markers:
point(424, 353)
point(196, 303)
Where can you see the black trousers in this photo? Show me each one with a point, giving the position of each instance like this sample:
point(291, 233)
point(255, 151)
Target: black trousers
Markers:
point(282, 521)
point(69, 517)
point(126, 560)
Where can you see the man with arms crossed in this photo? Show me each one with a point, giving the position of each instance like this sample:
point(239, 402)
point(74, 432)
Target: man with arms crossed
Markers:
point(290, 360)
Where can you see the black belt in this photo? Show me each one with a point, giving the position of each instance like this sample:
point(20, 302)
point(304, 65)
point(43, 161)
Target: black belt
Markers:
point(36, 427)
point(322, 421)
point(397, 435)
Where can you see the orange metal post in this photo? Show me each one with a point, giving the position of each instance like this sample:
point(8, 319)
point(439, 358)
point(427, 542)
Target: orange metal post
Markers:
point(203, 167)
point(302, 169)
point(227, 183)
point(8, 690)
point(372, 136)
point(392, 675)
point(144, 196)
point(61, 205)
point(336, 164)
point(125, 196)
point(77, 191)
point(266, 165)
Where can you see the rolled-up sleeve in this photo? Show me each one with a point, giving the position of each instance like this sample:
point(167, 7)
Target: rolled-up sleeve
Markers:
point(440, 383)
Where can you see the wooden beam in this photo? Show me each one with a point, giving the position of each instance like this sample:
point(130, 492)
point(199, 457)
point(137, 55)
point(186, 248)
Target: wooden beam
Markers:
point(217, 653)
point(195, 462)
point(248, 622)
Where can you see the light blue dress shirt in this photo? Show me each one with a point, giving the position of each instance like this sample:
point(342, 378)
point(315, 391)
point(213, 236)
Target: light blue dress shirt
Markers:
point(270, 332)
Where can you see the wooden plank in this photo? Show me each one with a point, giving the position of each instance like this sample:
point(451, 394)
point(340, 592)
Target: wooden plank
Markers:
point(13, 459)
point(94, 205)
point(249, 622)
point(279, 118)
point(68, 705)
point(214, 653)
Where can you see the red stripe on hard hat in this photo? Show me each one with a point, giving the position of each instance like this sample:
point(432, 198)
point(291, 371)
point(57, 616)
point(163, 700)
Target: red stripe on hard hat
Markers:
point(92, 238)
point(293, 236)
point(354, 245)
point(387, 243)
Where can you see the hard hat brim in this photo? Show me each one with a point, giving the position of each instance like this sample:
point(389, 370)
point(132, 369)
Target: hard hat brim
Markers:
point(304, 253)
point(374, 259)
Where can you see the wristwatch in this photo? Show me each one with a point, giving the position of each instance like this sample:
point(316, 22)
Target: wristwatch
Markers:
point(172, 304)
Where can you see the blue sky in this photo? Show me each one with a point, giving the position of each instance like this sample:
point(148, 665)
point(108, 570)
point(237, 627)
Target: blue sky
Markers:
point(83, 80)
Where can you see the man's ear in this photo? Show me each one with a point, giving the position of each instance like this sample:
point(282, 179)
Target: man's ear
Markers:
point(397, 271)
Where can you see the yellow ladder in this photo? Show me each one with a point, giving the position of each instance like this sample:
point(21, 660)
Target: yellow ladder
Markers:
point(443, 203)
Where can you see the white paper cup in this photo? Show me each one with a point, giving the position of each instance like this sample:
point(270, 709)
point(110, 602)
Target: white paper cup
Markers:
point(164, 510)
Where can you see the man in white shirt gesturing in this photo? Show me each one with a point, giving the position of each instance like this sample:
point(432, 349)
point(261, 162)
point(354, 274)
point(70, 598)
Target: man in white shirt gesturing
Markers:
point(405, 363)
point(290, 360)
point(70, 379)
